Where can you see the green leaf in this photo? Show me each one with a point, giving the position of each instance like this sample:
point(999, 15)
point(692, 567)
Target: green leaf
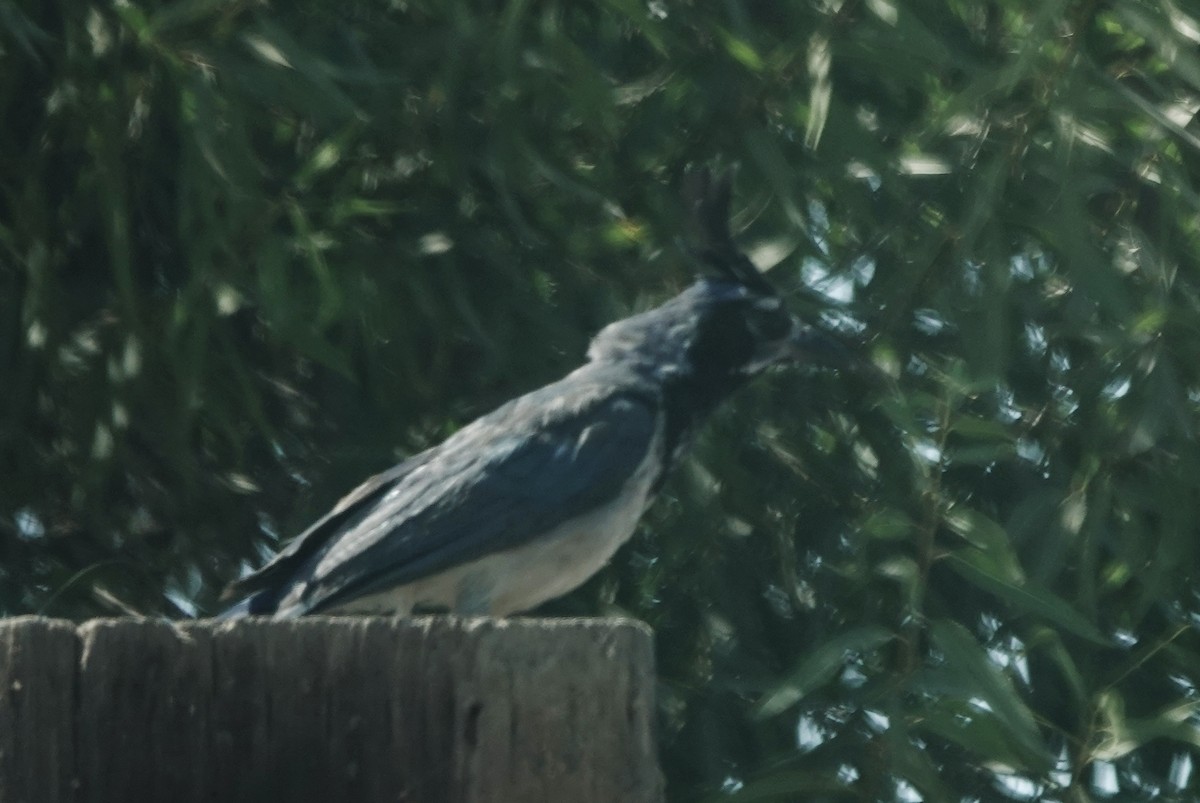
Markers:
point(1025, 595)
point(916, 766)
point(889, 524)
point(993, 546)
point(352, 208)
point(1049, 640)
point(819, 668)
point(742, 52)
point(976, 428)
point(965, 659)
point(905, 572)
point(980, 731)
point(1121, 735)
point(266, 50)
point(820, 58)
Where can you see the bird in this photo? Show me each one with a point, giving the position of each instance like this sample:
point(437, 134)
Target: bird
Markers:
point(527, 502)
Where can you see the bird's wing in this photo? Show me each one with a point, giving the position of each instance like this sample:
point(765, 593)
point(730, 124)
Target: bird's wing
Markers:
point(506, 479)
point(308, 543)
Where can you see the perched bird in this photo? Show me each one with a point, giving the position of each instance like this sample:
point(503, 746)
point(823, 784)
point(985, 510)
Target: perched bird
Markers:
point(529, 501)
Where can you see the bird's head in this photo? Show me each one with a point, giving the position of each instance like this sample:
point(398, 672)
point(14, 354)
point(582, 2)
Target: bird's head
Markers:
point(717, 331)
point(725, 327)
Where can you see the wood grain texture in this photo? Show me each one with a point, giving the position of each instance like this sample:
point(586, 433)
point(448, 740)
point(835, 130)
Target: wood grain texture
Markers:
point(327, 709)
point(38, 659)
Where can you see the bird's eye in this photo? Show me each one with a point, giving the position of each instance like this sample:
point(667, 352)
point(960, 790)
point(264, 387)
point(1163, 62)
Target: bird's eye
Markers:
point(769, 323)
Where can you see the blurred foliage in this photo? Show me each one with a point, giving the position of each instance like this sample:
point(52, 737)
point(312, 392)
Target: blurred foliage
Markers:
point(250, 254)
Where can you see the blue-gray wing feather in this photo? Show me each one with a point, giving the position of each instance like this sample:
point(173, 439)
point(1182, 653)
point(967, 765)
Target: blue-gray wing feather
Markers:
point(345, 515)
point(509, 477)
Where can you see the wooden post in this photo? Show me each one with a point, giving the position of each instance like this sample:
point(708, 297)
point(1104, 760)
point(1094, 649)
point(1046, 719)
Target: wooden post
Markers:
point(327, 709)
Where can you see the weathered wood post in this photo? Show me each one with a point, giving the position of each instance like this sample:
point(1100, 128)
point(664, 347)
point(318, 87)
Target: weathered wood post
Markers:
point(327, 709)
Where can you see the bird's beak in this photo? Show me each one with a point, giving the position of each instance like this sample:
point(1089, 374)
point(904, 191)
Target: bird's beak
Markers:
point(806, 345)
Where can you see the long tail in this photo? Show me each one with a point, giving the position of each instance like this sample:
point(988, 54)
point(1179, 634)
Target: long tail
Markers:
point(236, 611)
point(260, 603)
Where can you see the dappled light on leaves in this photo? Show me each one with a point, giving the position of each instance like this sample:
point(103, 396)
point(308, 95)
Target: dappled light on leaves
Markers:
point(250, 255)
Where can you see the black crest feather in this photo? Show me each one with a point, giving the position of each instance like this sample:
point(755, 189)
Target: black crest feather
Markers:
point(707, 196)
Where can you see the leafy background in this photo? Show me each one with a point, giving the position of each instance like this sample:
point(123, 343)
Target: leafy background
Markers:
point(250, 253)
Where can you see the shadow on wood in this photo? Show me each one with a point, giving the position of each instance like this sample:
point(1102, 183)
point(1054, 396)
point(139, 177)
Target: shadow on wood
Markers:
point(327, 709)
